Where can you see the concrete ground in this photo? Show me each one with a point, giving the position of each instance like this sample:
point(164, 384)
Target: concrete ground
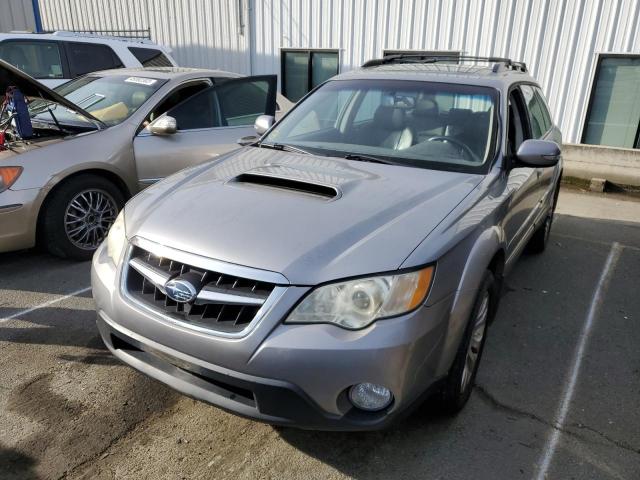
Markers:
point(557, 394)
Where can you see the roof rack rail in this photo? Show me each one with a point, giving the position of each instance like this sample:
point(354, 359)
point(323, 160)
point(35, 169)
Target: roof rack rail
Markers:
point(499, 63)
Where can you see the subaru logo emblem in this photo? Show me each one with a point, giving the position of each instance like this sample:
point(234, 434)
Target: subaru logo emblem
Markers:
point(180, 291)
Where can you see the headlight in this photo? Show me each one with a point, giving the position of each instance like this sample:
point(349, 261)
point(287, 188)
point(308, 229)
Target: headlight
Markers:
point(116, 239)
point(8, 176)
point(357, 303)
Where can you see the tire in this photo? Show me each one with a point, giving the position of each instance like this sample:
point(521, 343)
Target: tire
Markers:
point(63, 224)
point(540, 238)
point(458, 384)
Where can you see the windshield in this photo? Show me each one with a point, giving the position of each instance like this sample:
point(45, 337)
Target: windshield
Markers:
point(423, 124)
point(111, 99)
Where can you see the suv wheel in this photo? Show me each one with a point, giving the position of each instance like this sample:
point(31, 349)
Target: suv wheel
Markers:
point(459, 383)
point(78, 216)
point(540, 237)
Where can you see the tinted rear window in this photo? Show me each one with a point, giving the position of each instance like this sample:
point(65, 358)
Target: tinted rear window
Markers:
point(90, 57)
point(150, 57)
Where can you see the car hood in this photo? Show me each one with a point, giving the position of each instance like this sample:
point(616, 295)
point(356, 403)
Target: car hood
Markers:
point(314, 219)
point(10, 76)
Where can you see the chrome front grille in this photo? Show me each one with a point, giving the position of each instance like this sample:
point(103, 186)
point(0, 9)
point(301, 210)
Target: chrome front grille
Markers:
point(224, 303)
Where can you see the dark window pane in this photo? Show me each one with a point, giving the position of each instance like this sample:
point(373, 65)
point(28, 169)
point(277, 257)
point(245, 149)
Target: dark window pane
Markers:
point(615, 104)
point(88, 57)
point(150, 57)
point(199, 111)
point(296, 74)
point(242, 102)
point(324, 66)
point(545, 109)
point(534, 110)
point(38, 59)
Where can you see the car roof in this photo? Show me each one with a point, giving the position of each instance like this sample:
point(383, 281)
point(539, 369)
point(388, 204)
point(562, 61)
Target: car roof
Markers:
point(166, 73)
point(462, 73)
point(62, 35)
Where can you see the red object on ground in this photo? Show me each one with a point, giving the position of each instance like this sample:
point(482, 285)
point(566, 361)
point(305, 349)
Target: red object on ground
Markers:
point(1, 141)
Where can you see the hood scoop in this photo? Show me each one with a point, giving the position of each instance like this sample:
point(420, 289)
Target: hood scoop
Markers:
point(287, 183)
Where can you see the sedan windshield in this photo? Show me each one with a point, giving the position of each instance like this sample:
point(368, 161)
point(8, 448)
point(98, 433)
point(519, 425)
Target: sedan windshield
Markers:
point(424, 124)
point(111, 99)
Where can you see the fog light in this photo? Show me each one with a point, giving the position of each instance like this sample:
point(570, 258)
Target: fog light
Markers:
point(370, 397)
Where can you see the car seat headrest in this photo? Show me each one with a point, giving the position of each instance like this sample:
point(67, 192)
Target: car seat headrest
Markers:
point(390, 117)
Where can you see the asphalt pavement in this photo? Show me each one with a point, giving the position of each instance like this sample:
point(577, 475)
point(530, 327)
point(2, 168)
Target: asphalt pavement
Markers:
point(557, 393)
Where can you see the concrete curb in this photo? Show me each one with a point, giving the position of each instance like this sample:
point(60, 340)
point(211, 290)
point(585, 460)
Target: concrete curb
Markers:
point(616, 165)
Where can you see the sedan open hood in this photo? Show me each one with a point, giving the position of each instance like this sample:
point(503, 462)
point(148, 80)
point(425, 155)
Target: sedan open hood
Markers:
point(10, 76)
point(313, 219)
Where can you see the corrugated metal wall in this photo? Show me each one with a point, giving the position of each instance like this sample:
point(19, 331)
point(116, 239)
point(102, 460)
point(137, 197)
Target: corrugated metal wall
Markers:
point(16, 15)
point(558, 39)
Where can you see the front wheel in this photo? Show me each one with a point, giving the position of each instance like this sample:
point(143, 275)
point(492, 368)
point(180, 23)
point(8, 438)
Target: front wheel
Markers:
point(459, 383)
point(78, 216)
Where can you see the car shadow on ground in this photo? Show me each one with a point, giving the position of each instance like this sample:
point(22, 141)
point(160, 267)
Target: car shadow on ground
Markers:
point(16, 465)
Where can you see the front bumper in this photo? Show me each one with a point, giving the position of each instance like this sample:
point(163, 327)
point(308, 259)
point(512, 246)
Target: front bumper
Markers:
point(296, 375)
point(18, 219)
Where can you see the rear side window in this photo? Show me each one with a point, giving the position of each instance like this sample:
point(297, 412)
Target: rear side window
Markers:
point(90, 57)
point(35, 58)
point(150, 57)
point(534, 110)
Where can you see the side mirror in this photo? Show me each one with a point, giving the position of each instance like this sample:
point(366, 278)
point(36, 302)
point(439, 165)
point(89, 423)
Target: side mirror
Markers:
point(263, 123)
point(538, 153)
point(164, 125)
point(248, 140)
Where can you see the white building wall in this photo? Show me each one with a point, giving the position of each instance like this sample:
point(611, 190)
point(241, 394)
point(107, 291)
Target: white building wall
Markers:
point(558, 39)
point(16, 15)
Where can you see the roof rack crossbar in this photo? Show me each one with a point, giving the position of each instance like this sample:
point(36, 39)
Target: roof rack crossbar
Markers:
point(499, 63)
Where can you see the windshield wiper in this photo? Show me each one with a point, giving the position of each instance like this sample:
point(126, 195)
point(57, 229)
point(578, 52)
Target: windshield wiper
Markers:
point(368, 158)
point(284, 147)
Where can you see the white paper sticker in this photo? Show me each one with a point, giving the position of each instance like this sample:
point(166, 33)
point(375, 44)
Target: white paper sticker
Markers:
point(141, 81)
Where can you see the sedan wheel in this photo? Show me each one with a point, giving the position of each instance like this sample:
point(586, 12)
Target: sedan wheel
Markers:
point(77, 215)
point(88, 217)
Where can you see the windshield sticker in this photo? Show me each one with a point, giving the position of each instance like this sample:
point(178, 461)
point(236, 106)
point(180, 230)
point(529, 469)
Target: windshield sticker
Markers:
point(141, 81)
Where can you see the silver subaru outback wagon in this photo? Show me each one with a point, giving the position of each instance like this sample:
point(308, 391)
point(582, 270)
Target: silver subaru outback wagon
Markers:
point(346, 265)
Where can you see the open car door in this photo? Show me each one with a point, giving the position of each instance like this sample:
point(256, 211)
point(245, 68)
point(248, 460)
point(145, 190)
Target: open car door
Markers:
point(207, 125)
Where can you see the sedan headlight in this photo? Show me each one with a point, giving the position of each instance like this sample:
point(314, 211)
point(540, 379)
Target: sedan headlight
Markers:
point(357, 303)
point(116, 239)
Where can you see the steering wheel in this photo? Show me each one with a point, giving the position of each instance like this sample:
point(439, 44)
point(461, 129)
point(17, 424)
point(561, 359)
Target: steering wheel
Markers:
point(462, 146)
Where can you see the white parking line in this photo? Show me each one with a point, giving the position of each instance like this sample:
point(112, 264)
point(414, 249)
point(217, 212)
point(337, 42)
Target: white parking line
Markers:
point(43, 305)
point(567, 394)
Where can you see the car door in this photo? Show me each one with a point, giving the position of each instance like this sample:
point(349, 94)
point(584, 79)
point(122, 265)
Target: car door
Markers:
point(209, 124)
point(522, 182)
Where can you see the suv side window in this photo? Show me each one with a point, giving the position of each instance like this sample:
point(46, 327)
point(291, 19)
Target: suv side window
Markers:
point(90, 57)
point(545, 109)
point(150, 57)
point(536, 117)
point(36, 58)
point(517, 123)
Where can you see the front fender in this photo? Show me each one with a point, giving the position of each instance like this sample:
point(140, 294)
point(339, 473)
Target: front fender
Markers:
point(486, 246)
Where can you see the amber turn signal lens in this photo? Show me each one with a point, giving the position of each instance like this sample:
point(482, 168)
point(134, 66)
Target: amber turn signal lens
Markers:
point(424, 283)
point(8, 175)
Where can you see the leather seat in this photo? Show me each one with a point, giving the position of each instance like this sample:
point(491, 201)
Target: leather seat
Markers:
point(426, 119)
point(390, 128)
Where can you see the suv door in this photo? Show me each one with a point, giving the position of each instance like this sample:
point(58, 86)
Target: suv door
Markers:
point(209, 124)
point(522, 182)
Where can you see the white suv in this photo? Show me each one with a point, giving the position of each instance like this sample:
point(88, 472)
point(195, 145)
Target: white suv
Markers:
point(55, 58)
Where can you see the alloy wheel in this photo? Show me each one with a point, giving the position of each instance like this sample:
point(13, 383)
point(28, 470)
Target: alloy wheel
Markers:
point(475, 343)
point(88, 217)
